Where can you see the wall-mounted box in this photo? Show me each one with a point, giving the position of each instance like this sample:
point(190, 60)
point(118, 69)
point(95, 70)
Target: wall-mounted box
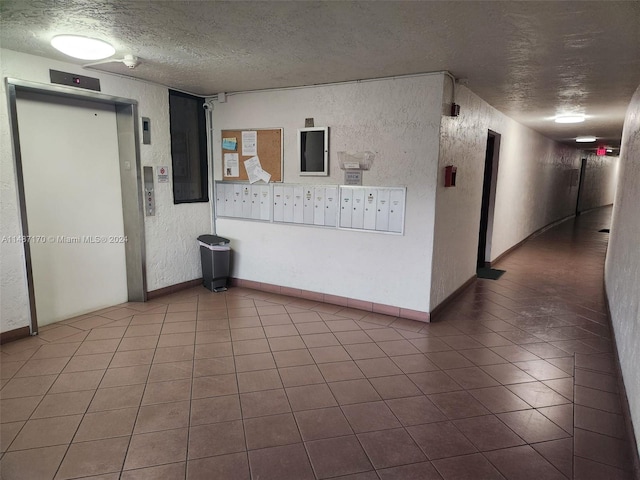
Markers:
point(255, 201)
point(265, 202)
point(237, 200)
point(313, 147)
point(220, 211)
point(278, 203)
point(288, 203)
point(307, 201)
point(379, 209)
point(330, 206)
point(318, 205)
point(227, 207)
point(450, 173)
point(357, 216)
point(259, 204)
point(146, 131)
point(356, 161)
point(396, 210)
point(246, 201)
point(242, 200)
point(346, 207)
point(370, 204)
point(373, 209)
point(298, 204)
point(382, 210)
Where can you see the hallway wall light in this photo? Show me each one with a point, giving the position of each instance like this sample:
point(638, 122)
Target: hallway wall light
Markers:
point(586, 139)
point(84, 48)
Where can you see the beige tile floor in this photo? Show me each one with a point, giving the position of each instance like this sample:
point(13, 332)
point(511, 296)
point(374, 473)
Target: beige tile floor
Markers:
point(514, 380)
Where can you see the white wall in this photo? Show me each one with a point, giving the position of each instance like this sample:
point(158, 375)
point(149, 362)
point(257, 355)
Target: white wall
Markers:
point(533, 189)
point(171, 249)
point(399, 120)
point(600, 180)
point(622, 266)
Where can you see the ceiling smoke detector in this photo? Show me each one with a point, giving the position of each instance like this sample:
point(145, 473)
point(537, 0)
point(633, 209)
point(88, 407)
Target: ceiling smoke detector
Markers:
point(131, 61)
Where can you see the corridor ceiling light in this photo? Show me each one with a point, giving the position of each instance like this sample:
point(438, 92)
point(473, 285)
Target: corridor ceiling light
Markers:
point(570, 118)
point(585, 139)
point(609, 150)
point(84, 48)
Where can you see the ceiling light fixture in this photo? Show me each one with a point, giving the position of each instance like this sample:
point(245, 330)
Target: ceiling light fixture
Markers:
point(609, 150)
point(586, 139)
point(84, 48)
point(570, 118)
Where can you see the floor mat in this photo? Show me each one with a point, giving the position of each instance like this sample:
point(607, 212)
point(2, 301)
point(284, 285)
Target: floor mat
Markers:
point(489, 273)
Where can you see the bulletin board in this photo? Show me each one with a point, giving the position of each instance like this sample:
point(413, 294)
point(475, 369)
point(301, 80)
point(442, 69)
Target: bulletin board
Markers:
point(269, 149)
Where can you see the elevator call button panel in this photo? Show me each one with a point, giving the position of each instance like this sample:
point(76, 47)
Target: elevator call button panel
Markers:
point(149, 194)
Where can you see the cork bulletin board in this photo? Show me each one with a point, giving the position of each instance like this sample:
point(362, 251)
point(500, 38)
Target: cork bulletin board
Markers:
point(269, 151)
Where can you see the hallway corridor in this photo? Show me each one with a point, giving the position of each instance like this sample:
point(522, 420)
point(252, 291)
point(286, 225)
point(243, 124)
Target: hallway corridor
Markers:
point(514, 380)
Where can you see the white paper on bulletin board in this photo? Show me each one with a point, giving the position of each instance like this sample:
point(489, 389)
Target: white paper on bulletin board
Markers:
point(249, 143)
point(231, 165)
point(255, 171)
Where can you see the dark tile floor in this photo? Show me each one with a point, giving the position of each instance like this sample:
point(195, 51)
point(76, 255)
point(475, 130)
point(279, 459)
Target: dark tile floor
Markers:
point(515, 380)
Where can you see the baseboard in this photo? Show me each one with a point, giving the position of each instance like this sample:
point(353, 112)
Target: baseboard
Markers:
point(521, 242)
point(161, 292)
point(304, 294)
point(373, 307)
point(593, 208)
point(506, 253)
point(13, 335)
point(624, 400)
point(443, 304)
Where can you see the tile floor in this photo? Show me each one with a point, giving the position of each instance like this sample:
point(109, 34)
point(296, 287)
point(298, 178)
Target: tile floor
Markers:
point(515, 380)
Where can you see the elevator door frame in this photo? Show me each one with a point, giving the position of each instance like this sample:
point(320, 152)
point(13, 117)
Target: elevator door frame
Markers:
point(130, 180)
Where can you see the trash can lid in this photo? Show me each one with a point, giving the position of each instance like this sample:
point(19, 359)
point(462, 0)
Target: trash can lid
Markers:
point(213, 240)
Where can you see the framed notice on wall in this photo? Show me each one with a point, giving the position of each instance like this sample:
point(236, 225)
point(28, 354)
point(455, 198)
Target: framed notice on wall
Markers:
point(239, 146)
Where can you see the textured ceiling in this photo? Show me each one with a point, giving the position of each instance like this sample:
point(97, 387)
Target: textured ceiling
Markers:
point(530, 60)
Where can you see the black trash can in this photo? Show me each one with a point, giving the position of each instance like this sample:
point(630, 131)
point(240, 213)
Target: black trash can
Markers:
point(214, 252)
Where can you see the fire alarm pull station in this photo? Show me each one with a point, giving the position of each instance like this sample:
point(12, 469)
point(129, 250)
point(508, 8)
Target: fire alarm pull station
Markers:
point(450, 176)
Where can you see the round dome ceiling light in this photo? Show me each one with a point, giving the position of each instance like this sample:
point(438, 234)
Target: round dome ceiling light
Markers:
point(570, 118)
point(84, 48)
point(586, 139)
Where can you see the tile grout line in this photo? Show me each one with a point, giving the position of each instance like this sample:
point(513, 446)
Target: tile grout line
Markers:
point(135, 421)
point(244, 430)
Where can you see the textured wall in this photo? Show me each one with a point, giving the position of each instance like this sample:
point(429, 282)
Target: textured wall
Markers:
point(600, 180)
point(622, 267)
point(399, 120)
point(533, 189)
point(171, 249)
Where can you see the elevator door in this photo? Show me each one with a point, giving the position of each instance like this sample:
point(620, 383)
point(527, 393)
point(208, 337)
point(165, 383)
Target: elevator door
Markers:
point(73, 201)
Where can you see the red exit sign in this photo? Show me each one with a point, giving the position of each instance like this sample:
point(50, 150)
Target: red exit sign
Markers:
point(601, 151)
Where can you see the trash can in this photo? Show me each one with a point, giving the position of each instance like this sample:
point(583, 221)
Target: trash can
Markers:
point(214, 253)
